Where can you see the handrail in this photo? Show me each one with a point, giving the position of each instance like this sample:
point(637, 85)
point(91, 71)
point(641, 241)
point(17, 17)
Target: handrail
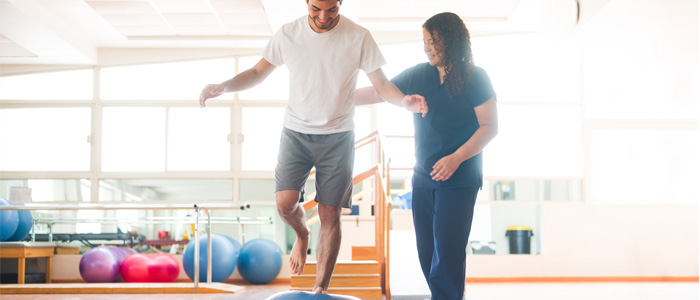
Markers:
point(127, 206)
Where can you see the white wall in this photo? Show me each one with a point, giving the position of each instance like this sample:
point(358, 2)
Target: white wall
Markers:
point(595, 240)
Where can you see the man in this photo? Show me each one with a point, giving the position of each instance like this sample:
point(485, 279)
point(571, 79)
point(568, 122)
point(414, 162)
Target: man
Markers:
point(324, 52)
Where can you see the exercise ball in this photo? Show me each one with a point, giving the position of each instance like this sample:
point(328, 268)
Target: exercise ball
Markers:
point(223, 259)
point(165, 268)
point(236, 248)
point(121, 253)
point(24, 226)
point(299, 295)
point(260, 261)
point(140, 267)
point(9, 220)
point(99, 265)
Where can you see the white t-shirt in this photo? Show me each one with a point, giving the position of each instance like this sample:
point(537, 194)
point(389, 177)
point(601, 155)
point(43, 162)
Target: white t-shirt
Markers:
point(323, 70)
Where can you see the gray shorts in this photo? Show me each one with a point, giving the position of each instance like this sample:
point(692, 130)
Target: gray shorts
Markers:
point(332, 154)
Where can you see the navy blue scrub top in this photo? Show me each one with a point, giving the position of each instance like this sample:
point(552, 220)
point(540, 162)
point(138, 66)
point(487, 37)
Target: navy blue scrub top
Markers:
point(450, 122)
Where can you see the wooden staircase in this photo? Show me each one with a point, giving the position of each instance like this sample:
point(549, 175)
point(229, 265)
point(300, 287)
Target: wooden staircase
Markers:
point(366, 276)
point(359, 278)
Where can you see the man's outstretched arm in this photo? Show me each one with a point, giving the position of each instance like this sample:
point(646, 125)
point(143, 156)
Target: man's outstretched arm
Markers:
point(387, 91)
point(244, 80)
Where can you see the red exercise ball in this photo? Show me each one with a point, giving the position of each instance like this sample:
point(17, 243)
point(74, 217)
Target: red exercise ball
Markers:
point(150, 268)
point(165, 269)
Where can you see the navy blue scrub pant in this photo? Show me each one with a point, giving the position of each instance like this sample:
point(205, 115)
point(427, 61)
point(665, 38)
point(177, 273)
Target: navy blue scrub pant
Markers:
point(443, 219)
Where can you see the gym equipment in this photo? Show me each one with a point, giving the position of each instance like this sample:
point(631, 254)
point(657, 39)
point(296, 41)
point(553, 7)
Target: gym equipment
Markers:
point(260, 261)
point(24, 226)
point(99, 265)
point(9, 220)
point(223, 258)
point(121, 253)
point(236, 247)
point(160, 267)
point(299, 295)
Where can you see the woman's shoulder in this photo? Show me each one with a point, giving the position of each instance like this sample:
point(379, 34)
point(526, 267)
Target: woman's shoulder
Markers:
point(479, 71)
point(420, 69)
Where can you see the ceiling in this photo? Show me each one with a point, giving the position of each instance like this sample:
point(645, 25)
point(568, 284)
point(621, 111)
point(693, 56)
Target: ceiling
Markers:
point(99, 32)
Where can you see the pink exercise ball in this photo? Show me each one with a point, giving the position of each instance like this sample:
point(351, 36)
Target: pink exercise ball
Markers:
point(150, 268)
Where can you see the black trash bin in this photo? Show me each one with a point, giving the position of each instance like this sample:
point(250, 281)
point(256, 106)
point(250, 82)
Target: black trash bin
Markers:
point(519, 239)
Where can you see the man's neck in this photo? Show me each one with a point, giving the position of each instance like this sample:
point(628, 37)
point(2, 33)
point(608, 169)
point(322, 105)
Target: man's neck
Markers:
point(318, 30)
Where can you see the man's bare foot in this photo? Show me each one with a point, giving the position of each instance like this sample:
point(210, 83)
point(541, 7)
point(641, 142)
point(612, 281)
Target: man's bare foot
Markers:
point(297, 258)
point(319, 290)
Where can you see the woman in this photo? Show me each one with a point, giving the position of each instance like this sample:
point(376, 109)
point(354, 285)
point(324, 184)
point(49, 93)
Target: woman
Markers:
point(447, 176)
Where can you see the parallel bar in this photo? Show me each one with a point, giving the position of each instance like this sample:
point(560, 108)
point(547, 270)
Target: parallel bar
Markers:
point(117, 207)
point(208, 246)
point(196, 247)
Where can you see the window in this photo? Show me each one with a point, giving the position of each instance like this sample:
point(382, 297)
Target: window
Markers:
point(193, 190)
point(50, 190)
point(133, 139)
point(167, 81)
point(536, 140)
point(261, 137)
point(198, 139)
point(45, 139)
point(64, 85)
point(645, 166)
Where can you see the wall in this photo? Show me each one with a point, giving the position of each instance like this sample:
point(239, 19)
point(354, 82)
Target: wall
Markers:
point(596, 240)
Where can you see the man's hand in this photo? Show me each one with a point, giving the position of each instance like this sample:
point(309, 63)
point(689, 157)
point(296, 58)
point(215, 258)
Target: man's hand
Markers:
point(415, 103)
point(210, 91)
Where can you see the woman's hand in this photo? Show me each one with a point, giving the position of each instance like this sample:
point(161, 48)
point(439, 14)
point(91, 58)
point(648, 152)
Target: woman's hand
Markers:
point(445, 167)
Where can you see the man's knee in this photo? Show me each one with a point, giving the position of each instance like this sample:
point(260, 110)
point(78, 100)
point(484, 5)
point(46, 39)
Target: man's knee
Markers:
point(329, 215)
point(287, 201)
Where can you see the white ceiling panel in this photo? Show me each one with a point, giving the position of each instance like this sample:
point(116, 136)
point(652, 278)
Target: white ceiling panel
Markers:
point(8, 48)
point(237, 19)
point(249, 30)
point(241, 6)
point(134, 20)
point(182, 6)
point(194, 20)
point(73, 31)
point(122, 7)
point(205, 30)
point(145, 30)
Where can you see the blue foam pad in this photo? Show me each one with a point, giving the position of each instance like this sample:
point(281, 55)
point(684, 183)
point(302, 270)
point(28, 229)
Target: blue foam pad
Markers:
point(299, 295)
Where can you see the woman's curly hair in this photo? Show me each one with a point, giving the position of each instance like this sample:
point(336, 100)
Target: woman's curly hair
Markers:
point(451, 38)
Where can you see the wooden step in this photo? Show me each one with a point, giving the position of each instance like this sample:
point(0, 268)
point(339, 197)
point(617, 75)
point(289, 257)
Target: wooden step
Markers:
point(346, 267)
point(339, 280)
point(364, 253)
point(365, 293)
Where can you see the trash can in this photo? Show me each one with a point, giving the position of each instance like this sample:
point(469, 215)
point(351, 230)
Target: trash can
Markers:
point(519, 239)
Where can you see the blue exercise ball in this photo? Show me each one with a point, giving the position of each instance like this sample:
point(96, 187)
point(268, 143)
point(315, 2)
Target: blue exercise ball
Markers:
point(299, 295)
point(9, 220)
point(260, 261)
point(223, 259)
point(24, 225)
point(236, 246)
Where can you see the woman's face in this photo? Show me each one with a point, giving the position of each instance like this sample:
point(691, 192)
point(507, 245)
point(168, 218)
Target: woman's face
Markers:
point(431, 50)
